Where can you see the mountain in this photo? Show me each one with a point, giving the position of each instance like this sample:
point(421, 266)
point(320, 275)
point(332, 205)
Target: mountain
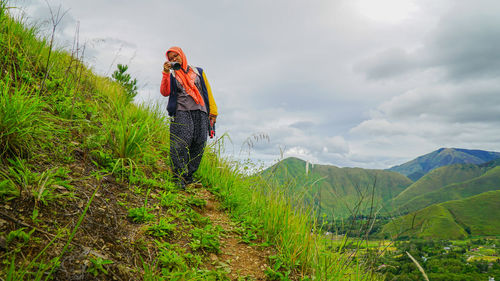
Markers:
point(420, 166)
point(476, 215)
point(337, 191)
point(490, 180)
point(436, 179)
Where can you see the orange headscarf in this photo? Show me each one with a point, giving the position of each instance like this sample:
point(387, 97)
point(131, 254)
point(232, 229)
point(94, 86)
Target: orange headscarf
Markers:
point(187, 77)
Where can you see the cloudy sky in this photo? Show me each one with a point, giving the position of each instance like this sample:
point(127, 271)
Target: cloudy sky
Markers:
point(366, 83)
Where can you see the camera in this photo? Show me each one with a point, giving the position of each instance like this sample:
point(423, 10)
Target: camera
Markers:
point(175, 65)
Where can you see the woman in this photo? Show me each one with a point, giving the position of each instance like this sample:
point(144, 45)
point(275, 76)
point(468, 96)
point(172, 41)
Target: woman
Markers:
point(192, 105)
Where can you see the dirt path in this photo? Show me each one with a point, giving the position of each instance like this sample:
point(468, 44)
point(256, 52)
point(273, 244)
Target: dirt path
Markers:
point(239, 259)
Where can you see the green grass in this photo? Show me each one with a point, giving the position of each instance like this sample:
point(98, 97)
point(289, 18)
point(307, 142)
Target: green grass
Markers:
point(23, 122)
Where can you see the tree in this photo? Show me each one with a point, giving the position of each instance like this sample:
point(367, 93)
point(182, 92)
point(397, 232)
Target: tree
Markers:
point(124, 79)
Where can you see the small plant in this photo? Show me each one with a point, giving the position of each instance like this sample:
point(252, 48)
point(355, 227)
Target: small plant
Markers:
point(175, 262)
point(20, 174)
point(102, 159)
point(149, 271)
point(171, 260)
point(170, 200)
point(43, 191)
point(198, 202)
point(206, 239)
point(124, 79)
point(136, 189)
point(40, 186)
point(193, 217)
point(141, 214)
point(248, 236)
point(98, 266)
point(19, 235)
point(162, 228)
point(194, 260)
point(278, 271)
point(124, 168)
point(249, 230)
point(8, 190)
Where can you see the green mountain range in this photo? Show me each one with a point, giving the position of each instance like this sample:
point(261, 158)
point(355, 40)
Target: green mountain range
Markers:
point(420, 166)
point(338, 192)
point(450, 202)
point(437, 179)
point(428, 202)
point(490, 180)
point(476, 215)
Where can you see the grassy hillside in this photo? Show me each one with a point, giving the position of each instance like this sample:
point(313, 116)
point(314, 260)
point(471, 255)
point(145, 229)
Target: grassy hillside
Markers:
point(86, 192)
point(420, 166)
point(436, 179)
point(338, 192)
point(433, 222)
point(479, 215)
point(486, 182)
point(476, 215)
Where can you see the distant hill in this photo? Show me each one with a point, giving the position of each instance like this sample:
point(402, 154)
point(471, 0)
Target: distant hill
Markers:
point(337, 191)
point(476, 215)
point(490, 180)
point(420, 166)
point(437, 179)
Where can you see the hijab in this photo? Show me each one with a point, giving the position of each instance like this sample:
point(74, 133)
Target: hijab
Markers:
point(186, 76)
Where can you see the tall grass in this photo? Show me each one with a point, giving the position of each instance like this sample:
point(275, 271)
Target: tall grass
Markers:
point(138, 136)
point(22, 122)
point(137, 127)
point(292, 230)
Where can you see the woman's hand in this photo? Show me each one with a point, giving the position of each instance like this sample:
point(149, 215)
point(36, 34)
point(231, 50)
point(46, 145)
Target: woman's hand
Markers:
point(212, 118)
point(166, 67)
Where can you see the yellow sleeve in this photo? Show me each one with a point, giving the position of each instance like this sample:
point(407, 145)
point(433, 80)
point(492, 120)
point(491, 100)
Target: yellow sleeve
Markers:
point(211, 100)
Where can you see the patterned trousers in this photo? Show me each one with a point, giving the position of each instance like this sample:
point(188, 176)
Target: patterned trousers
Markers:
point(188, 135)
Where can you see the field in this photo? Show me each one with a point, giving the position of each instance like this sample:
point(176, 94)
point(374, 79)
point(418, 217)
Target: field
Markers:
point(469, 259)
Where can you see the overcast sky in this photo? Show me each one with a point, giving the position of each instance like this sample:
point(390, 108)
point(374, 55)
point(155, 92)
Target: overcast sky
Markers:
point(366, 83)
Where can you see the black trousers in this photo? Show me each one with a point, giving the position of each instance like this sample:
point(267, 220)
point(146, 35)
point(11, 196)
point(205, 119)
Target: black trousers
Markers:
point(188, 136)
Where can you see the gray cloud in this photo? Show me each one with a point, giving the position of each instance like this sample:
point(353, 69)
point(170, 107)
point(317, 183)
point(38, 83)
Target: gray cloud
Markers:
point(453, 96)
point(467, 40)
point(464, 44)
point(465, 103)
point(388, 63)
point(302, 125)
point(464, 115)
point(322, 81)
